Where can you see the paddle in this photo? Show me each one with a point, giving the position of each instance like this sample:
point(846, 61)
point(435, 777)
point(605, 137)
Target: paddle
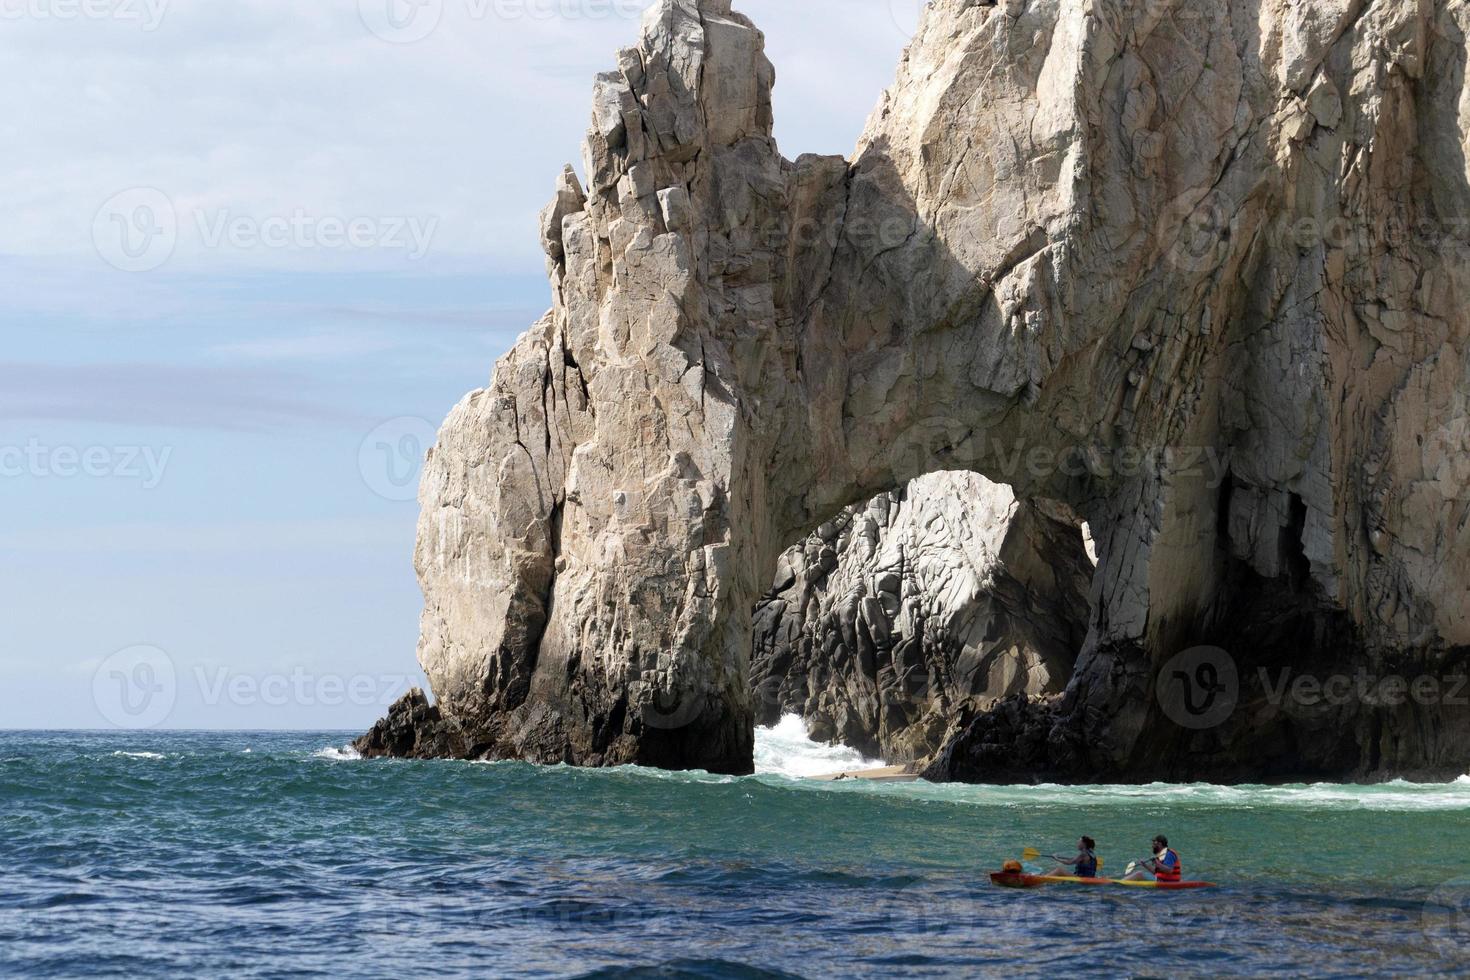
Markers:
point(1031, 854)
point(1133, 864)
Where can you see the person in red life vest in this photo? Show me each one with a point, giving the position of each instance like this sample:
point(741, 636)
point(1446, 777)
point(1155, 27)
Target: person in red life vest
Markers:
point(1084, 865)
point(1165, 865)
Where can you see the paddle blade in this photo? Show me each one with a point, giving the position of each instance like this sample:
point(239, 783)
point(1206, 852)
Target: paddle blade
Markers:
point(1030, 854)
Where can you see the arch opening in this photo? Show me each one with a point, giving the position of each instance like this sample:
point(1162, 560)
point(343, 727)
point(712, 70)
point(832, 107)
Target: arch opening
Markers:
point(899, 617)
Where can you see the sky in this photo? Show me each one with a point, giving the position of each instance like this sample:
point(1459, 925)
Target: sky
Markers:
point(251, 253)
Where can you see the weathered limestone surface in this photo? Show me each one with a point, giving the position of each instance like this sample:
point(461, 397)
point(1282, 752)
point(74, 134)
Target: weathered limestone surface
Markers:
point(898, 612)
point(1197, 271)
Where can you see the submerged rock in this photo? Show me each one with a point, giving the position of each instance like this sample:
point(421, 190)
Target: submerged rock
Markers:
point(1197, 271)
point(414, 728)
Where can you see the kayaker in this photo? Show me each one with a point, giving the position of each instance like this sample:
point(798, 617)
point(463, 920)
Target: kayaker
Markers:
point(1165, 865)
point(1084, 865)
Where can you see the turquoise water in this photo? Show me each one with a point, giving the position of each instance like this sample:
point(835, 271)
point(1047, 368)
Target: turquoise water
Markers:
point(273, 855)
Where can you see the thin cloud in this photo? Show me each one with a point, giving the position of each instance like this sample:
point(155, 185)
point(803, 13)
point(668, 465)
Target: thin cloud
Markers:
point(488, 318)
point(310, 347)
point(377, 536)
point(172, 396)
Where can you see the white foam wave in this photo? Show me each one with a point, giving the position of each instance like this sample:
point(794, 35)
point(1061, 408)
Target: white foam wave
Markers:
point(1396, 796)
point(345, 753)
point(786, 749)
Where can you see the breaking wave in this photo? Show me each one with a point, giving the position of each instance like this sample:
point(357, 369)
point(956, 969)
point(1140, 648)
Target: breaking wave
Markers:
point(344, 753)
point(786, 749)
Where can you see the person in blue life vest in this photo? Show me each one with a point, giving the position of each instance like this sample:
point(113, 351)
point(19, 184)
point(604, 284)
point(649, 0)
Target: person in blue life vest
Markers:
point(1083, 865)
point(1165, 865)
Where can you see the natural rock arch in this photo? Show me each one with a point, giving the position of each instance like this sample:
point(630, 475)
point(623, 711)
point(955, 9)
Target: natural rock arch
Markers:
point(1058, 258)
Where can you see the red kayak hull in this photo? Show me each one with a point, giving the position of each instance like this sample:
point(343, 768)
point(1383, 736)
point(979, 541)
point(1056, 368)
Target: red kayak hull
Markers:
point(1006, 879)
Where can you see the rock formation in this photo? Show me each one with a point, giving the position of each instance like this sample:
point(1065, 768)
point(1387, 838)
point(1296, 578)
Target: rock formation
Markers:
point(898, 612)
point(1196, 271)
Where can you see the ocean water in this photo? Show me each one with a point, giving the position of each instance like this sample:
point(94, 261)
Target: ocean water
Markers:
point(279, 855)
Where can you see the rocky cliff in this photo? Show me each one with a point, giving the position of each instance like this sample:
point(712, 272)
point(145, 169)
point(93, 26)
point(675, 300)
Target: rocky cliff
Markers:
point(897, 613)
point(1198, 272)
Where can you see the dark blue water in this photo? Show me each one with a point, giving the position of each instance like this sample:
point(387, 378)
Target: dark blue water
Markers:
point(261, 855)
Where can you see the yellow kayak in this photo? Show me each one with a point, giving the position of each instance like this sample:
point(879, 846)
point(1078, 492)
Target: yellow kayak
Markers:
point(1006, 879)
